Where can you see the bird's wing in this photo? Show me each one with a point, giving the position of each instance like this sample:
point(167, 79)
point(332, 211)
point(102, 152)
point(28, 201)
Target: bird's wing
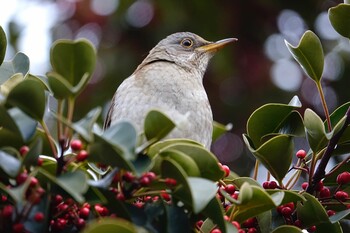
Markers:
point(108, 119)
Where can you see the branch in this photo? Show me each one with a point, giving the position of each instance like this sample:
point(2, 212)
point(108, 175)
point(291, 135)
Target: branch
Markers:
point(321, 169)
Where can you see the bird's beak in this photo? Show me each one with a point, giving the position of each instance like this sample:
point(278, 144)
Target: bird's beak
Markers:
point(215, 46)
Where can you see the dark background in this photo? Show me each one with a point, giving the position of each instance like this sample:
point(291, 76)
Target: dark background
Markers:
point(238, 79)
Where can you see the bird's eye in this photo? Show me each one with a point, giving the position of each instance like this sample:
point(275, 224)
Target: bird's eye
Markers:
point(187, 43)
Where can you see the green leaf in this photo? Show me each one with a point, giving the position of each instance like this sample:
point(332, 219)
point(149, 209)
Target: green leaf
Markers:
point(185, 161)
point(274, 119)
point(59, 86)
point(19, 64)
point(110, 225)
point(238, 182)
point(3, 45)
point(254, 201)
point(157, 125)
point(328, 227)
point(309, 54)
point(10, 83)
point(339, 216)
point(275, 154)
point(9, 164)
point(289, 229)
point(73, 59)
point(29, 96)
point(202, 192)
point(26, 125)
point(10, 135)
point(315, 131)
point(35, 149)
point(220, 129)
point(289, 196)
point(265, 221)
point(311, 211)
point(84, 127)
point(74, 183)
point(124, 135)
point(339, 18)
point(336, 117)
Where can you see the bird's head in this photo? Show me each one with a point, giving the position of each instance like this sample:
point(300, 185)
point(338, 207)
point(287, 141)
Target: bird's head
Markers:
point(187, 50)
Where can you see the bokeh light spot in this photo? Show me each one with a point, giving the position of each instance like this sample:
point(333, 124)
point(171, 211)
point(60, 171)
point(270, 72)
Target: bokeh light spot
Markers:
point(140, 13)
point(291, 25)
point(104, 7)
point(324, 27)
point(275, 47)
point(286, 75)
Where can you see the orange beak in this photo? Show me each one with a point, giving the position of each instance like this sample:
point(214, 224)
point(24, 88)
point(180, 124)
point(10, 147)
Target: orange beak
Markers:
point(215, 46)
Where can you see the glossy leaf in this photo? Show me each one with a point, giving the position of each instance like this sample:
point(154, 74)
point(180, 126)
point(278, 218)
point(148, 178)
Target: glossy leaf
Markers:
point(9, 164)
point(225, 226)
point(328, 227)
point(110, 225)
point(3, 45)
point(26, 125)
point(122, 134)
point(35, 149)
point(105, 153)
point(73, 59)
point(275, 154)
point(340, 20)
point(204, 159)
point(254, 201)
point(84, 127)
point(311, 211)
point(155, 148)
point(220, 129)
point(59, 86)
point(286, 228)
point(73, 183)
point(309, 54)
point(238, 182)
point(338, 115)
point(29, 96)
point(185, 161)
point(315, 131)
point(288, 196)
point(273, 119)
point(10, 135)
point(202, 192)
point(19, 64)
point(265, 221)
point(10, 83)
point(157, 125)
point(339, 216)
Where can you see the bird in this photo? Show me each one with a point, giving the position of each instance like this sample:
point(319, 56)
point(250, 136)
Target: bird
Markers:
point(170, 79)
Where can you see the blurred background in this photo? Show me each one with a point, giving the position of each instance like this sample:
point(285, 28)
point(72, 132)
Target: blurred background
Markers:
point(256, 70)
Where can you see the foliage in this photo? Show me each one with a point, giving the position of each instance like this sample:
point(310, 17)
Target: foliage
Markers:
point(73, 176)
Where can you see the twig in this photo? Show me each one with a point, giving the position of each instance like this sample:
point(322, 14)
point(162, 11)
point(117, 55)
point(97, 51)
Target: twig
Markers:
point(321, 169)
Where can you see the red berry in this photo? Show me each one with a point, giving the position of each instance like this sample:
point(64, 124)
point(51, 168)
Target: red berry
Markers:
point(319, 186)
point(272, 185)
point(297, 223)
point(266, 184)
point(165, 195)
point(226, 218)
point(84, 212)
point(40, 161)
point(76, 145)
point(151, 175)
point(145, 181)
point(120, 197)
point(7, 211)
point(170, 182)
point(252, 230)
point(58, 199)
point(286, 211)
point(21, 178)
point(3, 198)
point(341, 195)
point(236, 224)
point(301, 154)
point(312, 229)
point(82, 155)
point(216, 231)
point(249, 223)
point(128, 177)
point(24, 150)
point(230, 188)
point(290, 205)
point(304, 185)
point(80, 224)
point(241, 231)
point(226, 169)
point(343, 178)
point(235, 195)
point(330, 213)
point(39, 217)
point(33, 181)
point(199, 223)
point(325, 192)
point(18, 228)
point(62, 207)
